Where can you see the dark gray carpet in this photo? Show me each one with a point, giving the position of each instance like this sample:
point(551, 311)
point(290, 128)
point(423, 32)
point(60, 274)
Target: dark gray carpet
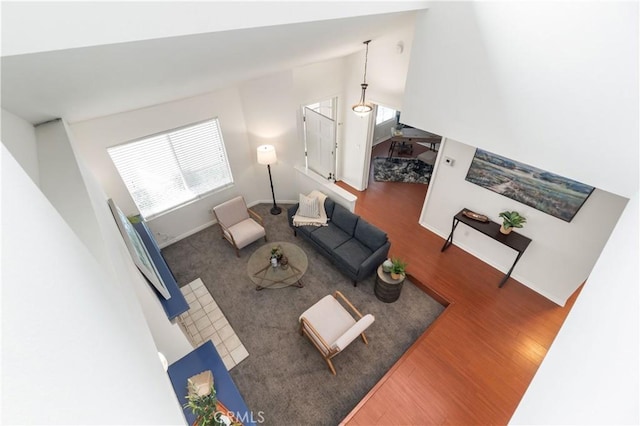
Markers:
point(398, 169)
point(284, 376)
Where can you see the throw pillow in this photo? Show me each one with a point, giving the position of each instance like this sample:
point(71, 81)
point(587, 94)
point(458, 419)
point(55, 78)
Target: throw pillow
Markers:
point(308, 206)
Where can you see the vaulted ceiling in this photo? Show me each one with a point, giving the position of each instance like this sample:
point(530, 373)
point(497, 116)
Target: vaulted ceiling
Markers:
point(86, 82)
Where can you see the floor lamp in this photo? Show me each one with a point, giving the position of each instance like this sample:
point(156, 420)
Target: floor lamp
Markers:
point(267, 155)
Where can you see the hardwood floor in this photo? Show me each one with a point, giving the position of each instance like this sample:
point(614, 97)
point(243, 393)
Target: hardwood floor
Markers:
point(473, 365)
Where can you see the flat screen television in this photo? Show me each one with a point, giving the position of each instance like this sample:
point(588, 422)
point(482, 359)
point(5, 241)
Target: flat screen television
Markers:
point(137, 250)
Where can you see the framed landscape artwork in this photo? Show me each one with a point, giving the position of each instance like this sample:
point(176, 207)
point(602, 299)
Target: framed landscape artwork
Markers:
point(137, 250)
point(544, 191)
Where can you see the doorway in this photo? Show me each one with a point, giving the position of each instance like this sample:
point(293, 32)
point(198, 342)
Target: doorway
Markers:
point(319, 120)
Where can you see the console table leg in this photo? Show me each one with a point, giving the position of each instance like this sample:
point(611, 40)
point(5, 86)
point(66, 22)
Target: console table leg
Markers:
point(449, 240)
point(391, 148)
point(508, 274)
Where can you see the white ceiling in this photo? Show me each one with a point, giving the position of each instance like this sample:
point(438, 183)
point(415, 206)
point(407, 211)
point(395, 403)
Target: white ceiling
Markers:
point(84, 83)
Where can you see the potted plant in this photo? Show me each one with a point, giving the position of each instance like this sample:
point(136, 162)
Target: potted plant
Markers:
point(511, 220)
point(203, 404)
point(276, 255)
point(398, 268)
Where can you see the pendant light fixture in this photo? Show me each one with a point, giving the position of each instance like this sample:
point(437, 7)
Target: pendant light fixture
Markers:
point(363, 108)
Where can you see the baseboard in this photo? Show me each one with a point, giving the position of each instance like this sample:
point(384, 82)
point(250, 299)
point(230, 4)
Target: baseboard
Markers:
point(500, 268)
point(186, 234)
point(170, 241)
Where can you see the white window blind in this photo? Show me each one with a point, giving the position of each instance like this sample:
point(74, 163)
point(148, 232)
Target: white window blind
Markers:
point(167, 170)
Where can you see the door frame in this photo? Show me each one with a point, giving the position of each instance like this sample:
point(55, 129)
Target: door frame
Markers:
point(369, 146)
point(335, 101)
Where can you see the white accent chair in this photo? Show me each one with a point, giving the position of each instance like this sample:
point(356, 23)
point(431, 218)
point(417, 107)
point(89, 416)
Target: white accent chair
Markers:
point(331, 328)
point(238, 224)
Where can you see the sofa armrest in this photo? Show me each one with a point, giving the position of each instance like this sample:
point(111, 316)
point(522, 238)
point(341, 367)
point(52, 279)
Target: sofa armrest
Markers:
point(373, 261)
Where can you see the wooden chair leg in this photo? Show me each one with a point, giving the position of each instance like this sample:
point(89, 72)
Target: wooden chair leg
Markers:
point(333, 370)
point(237, 252)
point(364, 339)
point(301, 330)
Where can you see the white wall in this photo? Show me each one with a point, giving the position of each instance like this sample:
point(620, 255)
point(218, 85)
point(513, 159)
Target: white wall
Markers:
point(258, 111)
point(71, 345)
point(554, 85)
point(387, 67)
point(590, 374)
point(61, 182)
point(386, 76)
point(74, 192)
point(93, 137)
point(353, 150)
point(317, 82)
point(561, 254)
point(168, 337)
point(270, 116)
point(551, 84)
point(19, 137)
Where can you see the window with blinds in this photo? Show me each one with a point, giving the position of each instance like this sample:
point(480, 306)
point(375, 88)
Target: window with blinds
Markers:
point(384, 114)
point(170, 169)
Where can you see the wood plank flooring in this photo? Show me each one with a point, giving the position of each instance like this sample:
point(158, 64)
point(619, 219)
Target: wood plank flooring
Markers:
point(473, 365)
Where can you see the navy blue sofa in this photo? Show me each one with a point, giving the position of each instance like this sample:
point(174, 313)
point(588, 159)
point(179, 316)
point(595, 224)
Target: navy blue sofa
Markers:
point(355, 246)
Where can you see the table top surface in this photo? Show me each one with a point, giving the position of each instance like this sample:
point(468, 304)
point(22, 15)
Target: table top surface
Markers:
point(415, 134)
point(386, 277)
point(262, 273)
point(491, 229)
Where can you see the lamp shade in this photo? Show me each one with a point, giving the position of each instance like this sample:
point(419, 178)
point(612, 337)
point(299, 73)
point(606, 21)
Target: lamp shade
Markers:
point(362, 109)
point(266, 154)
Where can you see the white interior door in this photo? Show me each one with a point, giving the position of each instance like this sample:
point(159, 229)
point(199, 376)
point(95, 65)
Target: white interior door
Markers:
point(320, 140)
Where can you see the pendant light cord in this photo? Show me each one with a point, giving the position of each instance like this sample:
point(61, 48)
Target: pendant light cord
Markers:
point(366, 57)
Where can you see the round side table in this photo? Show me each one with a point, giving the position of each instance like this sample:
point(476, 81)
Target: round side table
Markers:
point(387, 289)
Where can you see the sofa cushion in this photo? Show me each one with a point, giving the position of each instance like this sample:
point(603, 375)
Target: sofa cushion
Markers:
point(344, 219)
point(329, 237)
point(369, 235)
point(353, 253)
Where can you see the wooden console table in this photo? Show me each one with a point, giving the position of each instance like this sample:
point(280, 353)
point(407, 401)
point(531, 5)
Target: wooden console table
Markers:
point(513, 240)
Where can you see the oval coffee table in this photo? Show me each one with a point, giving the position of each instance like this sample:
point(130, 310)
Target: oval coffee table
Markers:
point(264, 275)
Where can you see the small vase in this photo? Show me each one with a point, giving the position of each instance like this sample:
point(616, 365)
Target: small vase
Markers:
point(284, 262)
point(396, 276)
point(387, 265)
point(274, 262)
point(505, 231)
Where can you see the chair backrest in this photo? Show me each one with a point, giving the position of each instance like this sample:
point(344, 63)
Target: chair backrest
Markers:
point(231, 212)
